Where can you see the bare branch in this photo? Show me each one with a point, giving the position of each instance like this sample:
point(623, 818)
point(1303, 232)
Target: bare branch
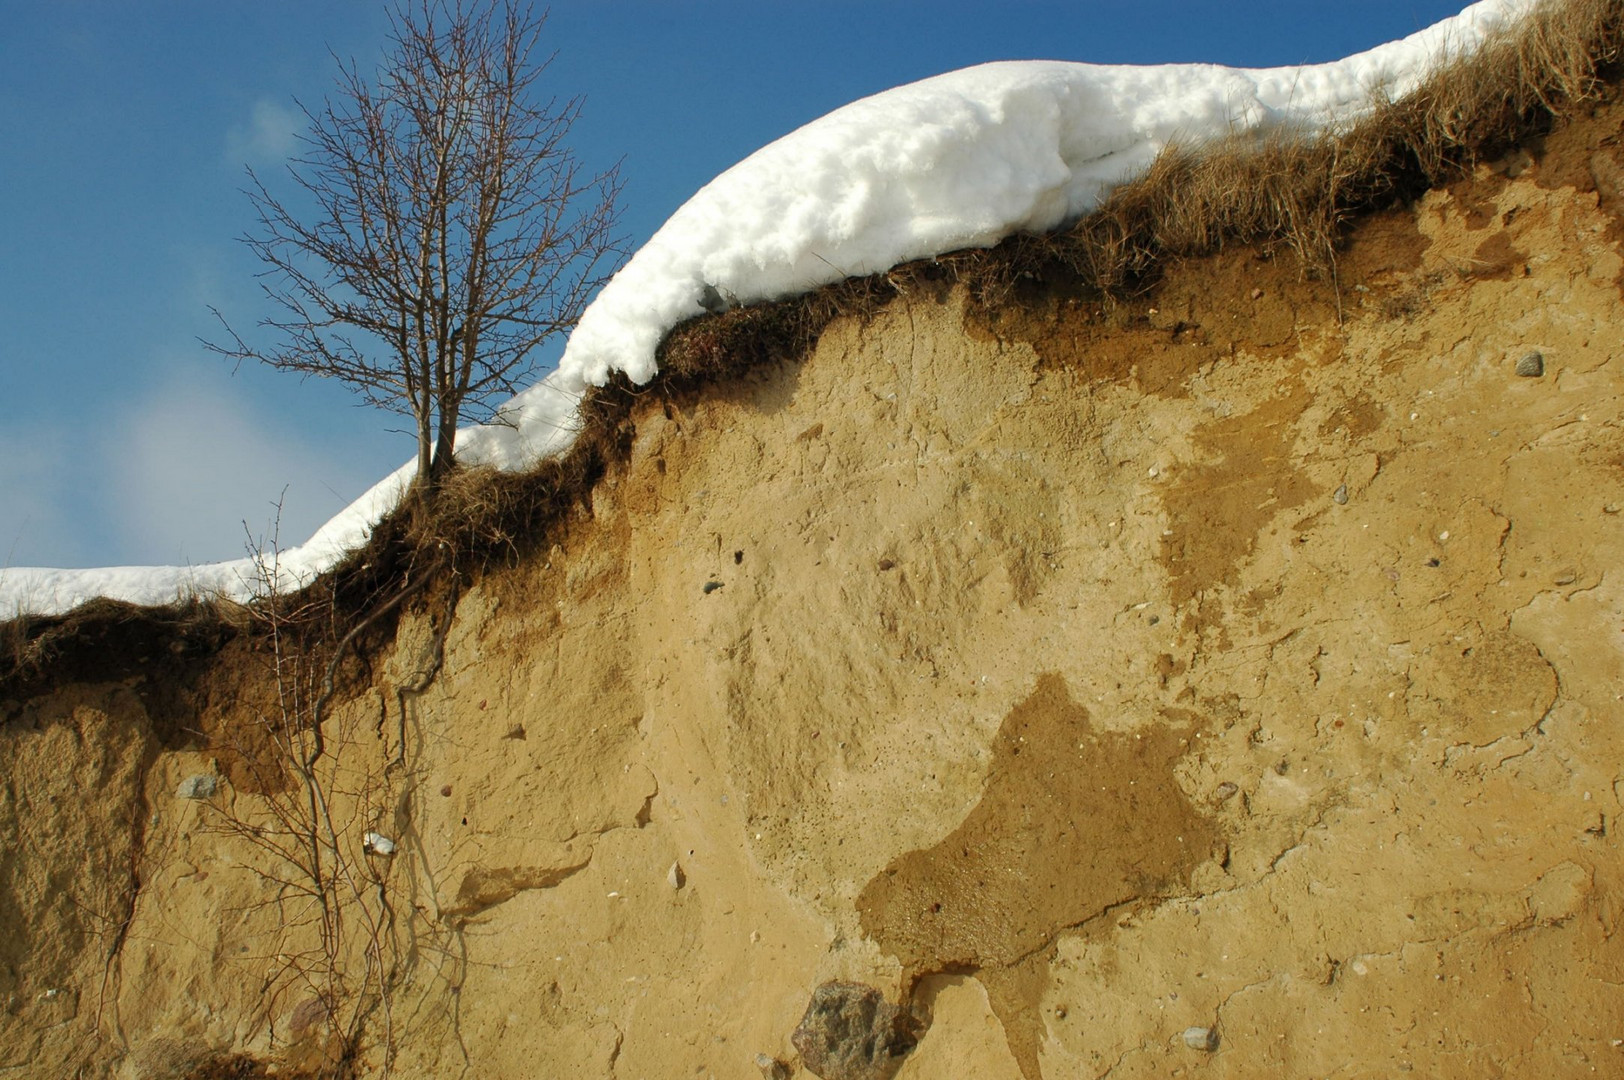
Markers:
point(443, 229)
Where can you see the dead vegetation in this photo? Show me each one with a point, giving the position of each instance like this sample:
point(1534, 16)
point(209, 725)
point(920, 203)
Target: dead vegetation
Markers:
point(108, 641)
point(1279, 191)
point(334, 962)
point(1302, 193)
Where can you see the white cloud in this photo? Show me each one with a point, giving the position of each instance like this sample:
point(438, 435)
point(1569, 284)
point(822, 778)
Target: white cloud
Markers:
point(32, 488)
point(270, 135)
point(193, 465)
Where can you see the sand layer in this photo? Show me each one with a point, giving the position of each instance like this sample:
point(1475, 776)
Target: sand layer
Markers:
point(1247, 657)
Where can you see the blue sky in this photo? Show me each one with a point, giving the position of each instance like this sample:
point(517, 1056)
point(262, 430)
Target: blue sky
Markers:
point(125, 128)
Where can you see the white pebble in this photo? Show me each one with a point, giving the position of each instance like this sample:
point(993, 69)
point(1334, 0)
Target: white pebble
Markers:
point(377, 844)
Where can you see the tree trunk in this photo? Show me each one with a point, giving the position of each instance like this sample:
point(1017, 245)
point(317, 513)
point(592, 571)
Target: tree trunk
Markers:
point(445, 445)
point(425, 456)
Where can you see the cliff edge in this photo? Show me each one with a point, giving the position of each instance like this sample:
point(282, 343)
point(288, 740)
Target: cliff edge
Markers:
point(1221, 683)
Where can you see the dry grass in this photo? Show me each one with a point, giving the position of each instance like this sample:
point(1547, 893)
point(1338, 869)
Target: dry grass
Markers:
point(1302, 193)
point(108, 640)
point(1279, 189)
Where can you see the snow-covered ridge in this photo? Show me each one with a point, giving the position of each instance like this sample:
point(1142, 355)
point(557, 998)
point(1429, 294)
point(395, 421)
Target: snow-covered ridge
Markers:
point(956, 161)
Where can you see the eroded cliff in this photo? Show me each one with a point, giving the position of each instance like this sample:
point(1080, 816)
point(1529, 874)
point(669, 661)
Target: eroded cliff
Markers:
point(1247, 658)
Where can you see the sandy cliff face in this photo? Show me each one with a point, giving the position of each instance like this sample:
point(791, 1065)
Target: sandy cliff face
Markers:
point(1250, 658)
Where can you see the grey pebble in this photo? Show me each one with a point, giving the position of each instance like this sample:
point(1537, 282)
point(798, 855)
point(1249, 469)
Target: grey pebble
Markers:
point(1531, 366)
point(201, 786)
point(712, 586)
point(1226, 791)
point(850, 1032)
point(1340, 496)
point(771, 1068)
point(1201, 1038)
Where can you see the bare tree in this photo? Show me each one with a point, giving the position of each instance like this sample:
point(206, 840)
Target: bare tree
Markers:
point(443, 229)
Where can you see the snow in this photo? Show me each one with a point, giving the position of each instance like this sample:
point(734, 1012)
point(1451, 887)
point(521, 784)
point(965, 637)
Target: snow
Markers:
point(957, 161)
